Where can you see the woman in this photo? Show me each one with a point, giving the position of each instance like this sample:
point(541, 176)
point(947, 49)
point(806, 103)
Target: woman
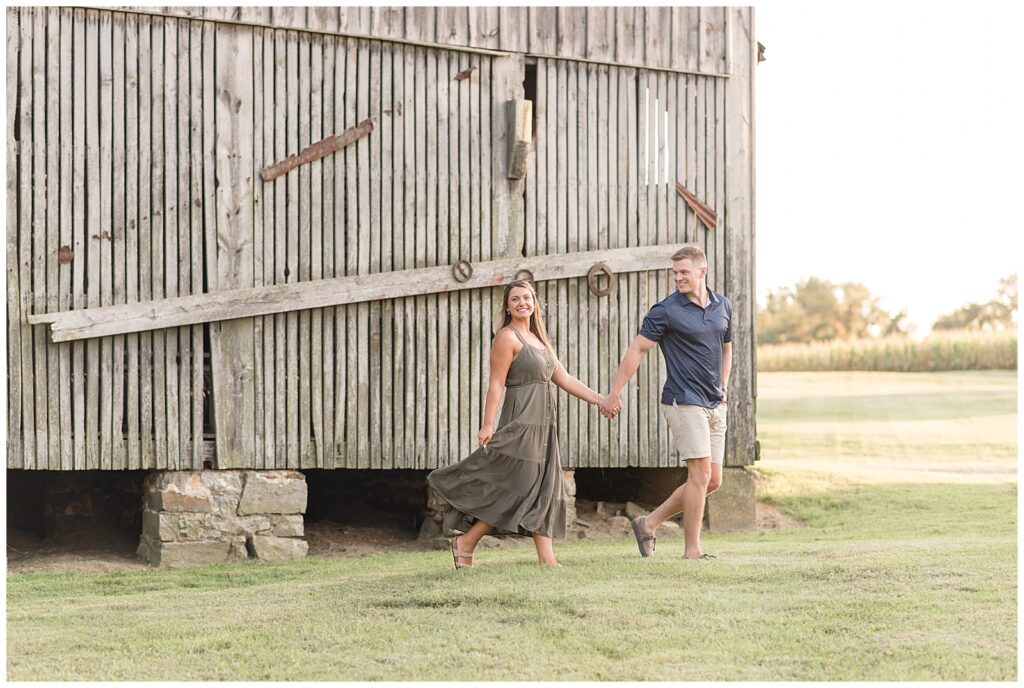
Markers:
point(514, 480)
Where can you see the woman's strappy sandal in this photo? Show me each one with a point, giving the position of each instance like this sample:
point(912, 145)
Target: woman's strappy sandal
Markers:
point(456, 555)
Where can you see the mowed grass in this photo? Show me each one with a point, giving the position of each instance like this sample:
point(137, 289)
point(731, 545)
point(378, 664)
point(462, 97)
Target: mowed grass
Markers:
point(891, 427)
point(905, 574)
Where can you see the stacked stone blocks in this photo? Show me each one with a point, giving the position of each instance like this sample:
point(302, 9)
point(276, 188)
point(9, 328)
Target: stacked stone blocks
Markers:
point(204, 517)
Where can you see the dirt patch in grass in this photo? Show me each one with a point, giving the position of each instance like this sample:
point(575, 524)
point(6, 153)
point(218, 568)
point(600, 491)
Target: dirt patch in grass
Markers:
point(355, 532)
point(773, 518)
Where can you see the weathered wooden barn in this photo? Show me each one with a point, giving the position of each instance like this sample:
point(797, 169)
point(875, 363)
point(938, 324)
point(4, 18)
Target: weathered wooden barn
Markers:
point(173, 305)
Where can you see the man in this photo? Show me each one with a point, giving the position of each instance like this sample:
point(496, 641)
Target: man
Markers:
point(693, 326)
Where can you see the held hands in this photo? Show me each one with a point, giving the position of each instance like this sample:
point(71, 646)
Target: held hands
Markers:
point(610, 406)
point(485, 434)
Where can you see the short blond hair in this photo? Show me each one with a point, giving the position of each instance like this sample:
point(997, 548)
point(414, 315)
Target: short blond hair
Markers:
point(694, 253)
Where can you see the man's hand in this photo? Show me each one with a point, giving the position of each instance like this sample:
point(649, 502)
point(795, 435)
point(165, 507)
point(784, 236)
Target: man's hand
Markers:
point(610, 406)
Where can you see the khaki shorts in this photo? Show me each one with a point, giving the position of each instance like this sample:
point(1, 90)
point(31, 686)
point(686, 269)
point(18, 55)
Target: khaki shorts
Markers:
point(697, 432)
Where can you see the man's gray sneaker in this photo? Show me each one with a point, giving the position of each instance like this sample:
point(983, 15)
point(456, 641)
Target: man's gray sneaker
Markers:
point(644, 539)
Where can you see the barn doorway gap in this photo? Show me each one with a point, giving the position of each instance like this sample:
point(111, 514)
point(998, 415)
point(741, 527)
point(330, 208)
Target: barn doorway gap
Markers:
point(530, 94)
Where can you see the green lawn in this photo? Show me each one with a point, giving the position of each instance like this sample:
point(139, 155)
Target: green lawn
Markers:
point(906, 569)
point(952, 427)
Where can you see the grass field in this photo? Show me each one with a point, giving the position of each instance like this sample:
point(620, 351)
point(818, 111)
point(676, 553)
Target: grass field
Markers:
point(905, 569)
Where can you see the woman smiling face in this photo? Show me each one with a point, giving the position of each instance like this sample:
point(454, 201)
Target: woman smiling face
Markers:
point(520, 302)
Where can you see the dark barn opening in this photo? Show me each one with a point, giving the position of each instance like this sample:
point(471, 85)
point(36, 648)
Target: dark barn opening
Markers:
point(603, 493)
point(73, 512)
point(530, 90)
point(647, 486)
point(353, 509)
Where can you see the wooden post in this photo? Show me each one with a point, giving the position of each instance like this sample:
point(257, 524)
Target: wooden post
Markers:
point(739, 226)
point(15, 314)
point(232, 341)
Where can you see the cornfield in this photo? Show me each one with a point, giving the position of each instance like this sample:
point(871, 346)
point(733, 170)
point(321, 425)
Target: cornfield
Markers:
point(957, 350)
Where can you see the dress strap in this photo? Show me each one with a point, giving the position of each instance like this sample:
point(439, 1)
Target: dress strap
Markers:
point(545, 351)
point(517, 333)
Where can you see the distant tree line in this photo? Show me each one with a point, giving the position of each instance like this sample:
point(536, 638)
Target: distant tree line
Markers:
point(997, 314)
point(817, 310)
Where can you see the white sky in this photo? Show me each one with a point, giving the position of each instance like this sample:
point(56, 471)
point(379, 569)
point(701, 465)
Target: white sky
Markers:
point(889, 149)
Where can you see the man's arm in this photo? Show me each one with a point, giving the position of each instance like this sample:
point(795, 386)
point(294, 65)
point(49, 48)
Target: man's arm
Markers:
point(726, 368)
point(627, 369)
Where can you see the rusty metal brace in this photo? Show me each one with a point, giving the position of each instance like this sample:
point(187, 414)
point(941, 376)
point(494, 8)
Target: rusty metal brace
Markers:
point(317, 150)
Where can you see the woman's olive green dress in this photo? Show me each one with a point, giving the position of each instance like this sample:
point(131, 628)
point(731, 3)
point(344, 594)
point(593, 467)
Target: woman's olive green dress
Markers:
point(515, 482)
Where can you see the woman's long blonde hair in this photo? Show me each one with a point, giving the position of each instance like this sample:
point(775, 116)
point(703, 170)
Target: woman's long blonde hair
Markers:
point(536, 321)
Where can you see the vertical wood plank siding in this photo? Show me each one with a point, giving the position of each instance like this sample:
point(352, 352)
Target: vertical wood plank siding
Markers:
point(133, 142)
point(89, 104)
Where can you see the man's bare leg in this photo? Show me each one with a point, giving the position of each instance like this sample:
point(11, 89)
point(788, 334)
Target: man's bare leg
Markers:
point(674, 503)
point(698, 476)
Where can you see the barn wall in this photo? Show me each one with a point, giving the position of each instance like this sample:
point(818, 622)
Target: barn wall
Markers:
point(109, 181)
point(388, 384)
point(678, 38)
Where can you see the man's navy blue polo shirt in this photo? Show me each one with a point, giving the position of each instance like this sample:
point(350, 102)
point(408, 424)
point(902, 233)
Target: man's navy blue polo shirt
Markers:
point(691, 339)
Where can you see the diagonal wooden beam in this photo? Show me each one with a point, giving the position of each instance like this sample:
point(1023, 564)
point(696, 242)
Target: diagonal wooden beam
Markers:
point(264, 300)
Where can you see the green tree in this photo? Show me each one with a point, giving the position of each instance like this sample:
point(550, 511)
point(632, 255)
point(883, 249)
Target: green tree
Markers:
point(817, 310)
point(997, 314)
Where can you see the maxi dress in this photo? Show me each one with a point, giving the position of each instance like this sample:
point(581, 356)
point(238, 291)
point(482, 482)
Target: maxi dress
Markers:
point(515, 482)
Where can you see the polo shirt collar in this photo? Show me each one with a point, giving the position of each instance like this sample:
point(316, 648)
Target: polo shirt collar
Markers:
point(713, 298)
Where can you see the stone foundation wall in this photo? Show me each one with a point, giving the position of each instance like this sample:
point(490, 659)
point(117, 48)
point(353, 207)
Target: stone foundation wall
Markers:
point(569, 478)
point(204, 517)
